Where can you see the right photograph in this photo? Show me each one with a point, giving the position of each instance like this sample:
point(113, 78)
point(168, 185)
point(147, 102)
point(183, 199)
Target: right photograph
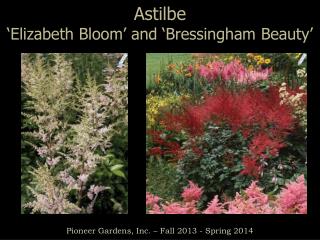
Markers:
point(226, 133)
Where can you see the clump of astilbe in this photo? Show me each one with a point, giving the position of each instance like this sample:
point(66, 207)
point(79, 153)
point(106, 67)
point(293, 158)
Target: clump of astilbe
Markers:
point(49, 198)
point(291, 200)
point(72, 150)
point(116, 88)
point(293, 197)
point(103, 108)
point(91, 137)
point(48, 90)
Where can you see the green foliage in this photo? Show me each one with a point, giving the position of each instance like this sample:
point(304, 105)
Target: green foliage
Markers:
point(217, 169)
point(153, 67)
point(92, 64)
point(162, 179)
point(112, 172)
point(290, 163)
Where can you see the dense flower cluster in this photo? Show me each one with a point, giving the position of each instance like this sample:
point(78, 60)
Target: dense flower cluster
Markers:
point(257, 115)
point(233, 70)
point(297, 100)
point(49, 198)
point(242, 111)
point(291, 200)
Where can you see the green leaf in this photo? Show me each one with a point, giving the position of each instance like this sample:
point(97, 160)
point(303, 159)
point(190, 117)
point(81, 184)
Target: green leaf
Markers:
point(118, 173)
point(116, 167)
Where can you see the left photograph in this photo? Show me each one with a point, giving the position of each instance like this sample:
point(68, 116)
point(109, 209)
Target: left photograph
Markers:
point(74, 133)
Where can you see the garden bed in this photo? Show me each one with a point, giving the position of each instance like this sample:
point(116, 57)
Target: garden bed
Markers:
point(227, 133)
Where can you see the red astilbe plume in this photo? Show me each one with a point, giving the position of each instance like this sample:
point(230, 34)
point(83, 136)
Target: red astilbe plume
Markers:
point(165, 145)
point(262, 143)
point(192, 193)
point(251, 167)
point(155, 151)
point(194, 119)
point(156, 137)
point(261, 147)
point(172, 122)
point(243, 110)
point(278, 115)
point(174, 149)
point(250, 111)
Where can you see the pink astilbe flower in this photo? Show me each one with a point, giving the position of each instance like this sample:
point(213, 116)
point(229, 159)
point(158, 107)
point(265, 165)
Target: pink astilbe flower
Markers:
point(214, 207)
point(95, 190)
point(255, 192)
point(293, 198)
point(151, 200)
point(192, 193)
point(253, 201)
point(174, 208)
point(180, 208)
point(155, 210)
point(233, 70)
point(190, 68)
point(191, 207)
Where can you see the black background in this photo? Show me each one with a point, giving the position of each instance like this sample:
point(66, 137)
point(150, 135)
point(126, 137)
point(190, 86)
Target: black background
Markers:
point(117, 14)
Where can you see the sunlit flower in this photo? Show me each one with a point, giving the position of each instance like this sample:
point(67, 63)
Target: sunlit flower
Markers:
point(267, 61)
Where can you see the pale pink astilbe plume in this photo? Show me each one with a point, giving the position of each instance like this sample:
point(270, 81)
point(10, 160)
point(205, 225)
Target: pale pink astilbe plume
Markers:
point(255, 193)
point(151, 200)
point(191, 207)
point(233, 70)
point(253, 201)
point(214, 207)
point(241, 205)
point(237, 205)
point(293, 198)
point(92, 194)
point(179, 208)
point(211, 71)
point(192, 193)
point(174, 208)
point(204, 72)
point(155, 210)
